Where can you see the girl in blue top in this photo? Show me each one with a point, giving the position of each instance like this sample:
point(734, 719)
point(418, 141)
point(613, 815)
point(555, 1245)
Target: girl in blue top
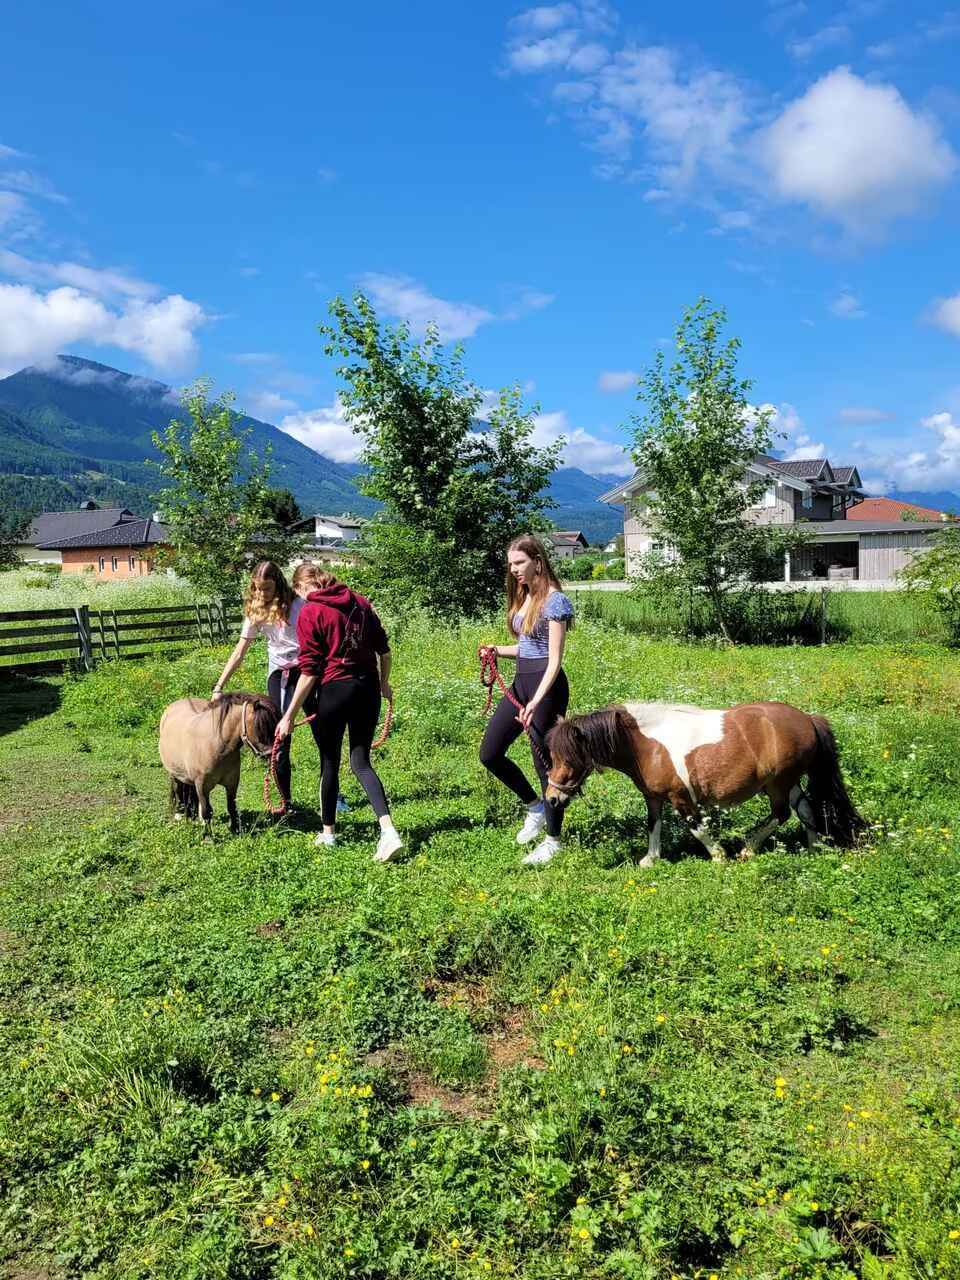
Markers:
point(539, 616)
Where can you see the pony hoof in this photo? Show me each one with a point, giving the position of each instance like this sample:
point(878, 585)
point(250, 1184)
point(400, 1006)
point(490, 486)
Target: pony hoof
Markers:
point(647, 862)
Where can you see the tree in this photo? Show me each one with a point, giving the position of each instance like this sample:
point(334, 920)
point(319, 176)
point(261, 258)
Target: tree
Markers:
point(693, 442)
point(13, 529)
point(217, 506)
point(282, 507)
point(454, 492)
point(936, 575)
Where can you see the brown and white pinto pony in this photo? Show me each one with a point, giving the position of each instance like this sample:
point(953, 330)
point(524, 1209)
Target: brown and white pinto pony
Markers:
point(201, 743)
point(698, 759)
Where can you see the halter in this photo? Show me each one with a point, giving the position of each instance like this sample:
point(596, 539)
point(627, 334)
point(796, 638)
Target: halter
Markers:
point(245, 737)
point(568, 789)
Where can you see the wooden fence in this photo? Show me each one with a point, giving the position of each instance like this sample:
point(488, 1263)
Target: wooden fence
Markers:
point(80, 637)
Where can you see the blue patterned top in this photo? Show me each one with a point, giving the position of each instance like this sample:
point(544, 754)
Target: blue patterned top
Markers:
point(556, 608)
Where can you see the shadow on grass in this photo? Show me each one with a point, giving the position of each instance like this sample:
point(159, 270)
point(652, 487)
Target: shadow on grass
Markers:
point(24, 699)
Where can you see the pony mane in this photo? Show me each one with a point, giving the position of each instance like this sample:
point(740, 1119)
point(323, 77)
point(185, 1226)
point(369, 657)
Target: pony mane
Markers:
point(590, 741)
point(265, 714)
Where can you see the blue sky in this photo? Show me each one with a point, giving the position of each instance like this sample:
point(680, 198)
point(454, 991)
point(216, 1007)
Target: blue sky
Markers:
point(181, 192)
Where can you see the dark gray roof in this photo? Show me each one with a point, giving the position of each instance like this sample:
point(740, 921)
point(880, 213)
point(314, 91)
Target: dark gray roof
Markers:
point(53, 526)
point(844, 474)
point(129, 533)
point(833, 527)
point(803, 468)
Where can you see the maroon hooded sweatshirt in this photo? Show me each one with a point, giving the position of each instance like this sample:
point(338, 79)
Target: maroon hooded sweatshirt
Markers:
point(339, 635)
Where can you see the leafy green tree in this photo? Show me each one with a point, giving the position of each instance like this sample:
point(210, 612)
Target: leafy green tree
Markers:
point(936, 575)
point(282, 507)
point(13, 529)
point(692, 443)
point(217, 504)
point(454, 492)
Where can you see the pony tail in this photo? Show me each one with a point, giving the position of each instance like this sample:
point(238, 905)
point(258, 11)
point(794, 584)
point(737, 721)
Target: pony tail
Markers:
point(833, 809)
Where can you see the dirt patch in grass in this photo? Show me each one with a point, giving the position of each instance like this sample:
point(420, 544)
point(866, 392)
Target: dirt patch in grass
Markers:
point(269, 928)
point(508, 1045)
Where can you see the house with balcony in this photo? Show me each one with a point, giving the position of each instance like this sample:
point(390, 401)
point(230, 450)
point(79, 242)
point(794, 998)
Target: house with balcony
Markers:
point(811, 493)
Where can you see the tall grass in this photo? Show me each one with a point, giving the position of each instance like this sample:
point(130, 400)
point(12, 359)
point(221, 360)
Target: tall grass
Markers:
point(33, 587)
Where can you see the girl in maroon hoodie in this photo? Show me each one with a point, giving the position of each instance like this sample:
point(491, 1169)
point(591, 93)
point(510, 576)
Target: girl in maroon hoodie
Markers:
point(343, 649)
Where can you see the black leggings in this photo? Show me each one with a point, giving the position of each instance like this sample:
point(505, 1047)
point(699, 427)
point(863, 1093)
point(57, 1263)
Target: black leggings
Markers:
point(352, 704)
point(504, 729)
point(280, 692)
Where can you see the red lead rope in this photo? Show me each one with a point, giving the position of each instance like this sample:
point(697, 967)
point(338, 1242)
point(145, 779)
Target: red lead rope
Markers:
point(271, 772)
point(490, 676)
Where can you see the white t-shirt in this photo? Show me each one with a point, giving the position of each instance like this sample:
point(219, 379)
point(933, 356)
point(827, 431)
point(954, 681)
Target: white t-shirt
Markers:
point(282, 648)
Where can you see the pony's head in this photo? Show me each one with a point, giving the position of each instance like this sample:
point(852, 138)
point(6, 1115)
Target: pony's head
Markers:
point(577, 747)
point(257, 722)
point(570, 763)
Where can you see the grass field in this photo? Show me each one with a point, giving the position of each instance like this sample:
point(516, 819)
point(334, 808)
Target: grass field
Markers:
point(251, 1059)
point(35, 588)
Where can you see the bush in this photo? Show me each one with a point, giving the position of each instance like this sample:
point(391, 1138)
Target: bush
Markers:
point(616, 570)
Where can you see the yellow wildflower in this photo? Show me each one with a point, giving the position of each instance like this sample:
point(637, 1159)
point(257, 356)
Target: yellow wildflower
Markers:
point(268, 1220)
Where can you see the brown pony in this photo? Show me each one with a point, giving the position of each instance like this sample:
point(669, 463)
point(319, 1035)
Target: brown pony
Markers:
point(697, 760)
point(201, 743)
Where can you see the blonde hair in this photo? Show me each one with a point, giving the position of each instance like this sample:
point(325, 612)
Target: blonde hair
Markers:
point(517, 592)
point(273, 611)
point(311, 576)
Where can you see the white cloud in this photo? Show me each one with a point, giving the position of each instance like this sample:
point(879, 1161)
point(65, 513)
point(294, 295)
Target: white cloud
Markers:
point(405, 299)
point(581, 449)
point(806, 448)
point(617, 380)
point(35, 326)
point(847, 149)
point(101, 283)
point(8, 152)
point(14, 213)
point(30, 184)
point(546, 17)
point(863, 415)
point(268, 405)
point(945, 314)
point(551, 51)
point(826, 38)
point(855, 152)
point(254, 357)
point(847, 306)
point(326, 430)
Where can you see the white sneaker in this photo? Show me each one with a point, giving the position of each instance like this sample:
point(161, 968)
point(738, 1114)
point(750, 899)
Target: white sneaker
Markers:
point(325, 839)
point(389, 844)
point(533, 824)
point(544, 851)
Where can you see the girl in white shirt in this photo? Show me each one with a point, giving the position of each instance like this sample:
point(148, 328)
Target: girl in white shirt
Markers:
point(270, 609)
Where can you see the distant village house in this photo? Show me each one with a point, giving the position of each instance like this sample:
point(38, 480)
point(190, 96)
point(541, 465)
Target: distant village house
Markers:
point(565, 544)
point(108, 542)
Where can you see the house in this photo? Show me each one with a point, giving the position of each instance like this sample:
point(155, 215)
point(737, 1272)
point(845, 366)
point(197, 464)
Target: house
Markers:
point(894, 509)
point(567, 543)
point(52, 526)
point(808, 492)
point(330, 531)
point(122, 550)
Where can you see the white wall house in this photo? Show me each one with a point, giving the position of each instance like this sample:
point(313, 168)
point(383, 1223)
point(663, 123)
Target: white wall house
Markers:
point(806, 492)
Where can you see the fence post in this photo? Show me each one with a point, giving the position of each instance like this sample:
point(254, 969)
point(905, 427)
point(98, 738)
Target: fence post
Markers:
point(82, 613)
point(823, 615)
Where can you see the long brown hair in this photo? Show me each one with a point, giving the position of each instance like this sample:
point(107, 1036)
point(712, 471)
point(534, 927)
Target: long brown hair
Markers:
point(517, 592)
point(313, 576)
point(255, 607)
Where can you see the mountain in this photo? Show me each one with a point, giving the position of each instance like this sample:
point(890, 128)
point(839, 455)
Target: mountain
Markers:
point(84, 423)
point(82, 430)
point(935, 499)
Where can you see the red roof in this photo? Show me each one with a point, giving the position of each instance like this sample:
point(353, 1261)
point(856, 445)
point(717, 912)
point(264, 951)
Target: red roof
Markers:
point(892, 509)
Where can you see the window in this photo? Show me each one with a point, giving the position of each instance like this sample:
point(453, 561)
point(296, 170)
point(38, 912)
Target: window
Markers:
point(101, 564)
point(133, 563)
point(770, 497)
point(113, 560)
